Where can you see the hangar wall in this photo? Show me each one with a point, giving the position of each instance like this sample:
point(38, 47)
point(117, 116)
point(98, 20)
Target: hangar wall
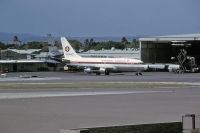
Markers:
point(30, 67)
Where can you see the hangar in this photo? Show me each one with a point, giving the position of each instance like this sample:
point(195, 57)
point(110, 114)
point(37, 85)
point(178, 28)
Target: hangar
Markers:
point(13, 60)
point(162, 49)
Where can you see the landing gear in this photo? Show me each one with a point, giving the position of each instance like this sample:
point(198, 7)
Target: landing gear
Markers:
point(138, 73)
point(98, 73)
point(107, 72)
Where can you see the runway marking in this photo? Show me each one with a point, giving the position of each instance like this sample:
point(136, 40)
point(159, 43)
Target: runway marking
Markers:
point(25, 95)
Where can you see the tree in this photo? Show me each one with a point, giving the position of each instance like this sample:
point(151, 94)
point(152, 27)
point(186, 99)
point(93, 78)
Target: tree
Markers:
point(135, 43)
point(124, 40)
point(108, 45)
point(91, 41)
point(75, 44)
point(34, 45)
point(89, 44)
point(86, 42)
point(15, 39)
point(2, 46)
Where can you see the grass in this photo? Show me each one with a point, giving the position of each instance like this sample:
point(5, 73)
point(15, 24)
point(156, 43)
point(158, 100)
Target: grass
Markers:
point(91, 85)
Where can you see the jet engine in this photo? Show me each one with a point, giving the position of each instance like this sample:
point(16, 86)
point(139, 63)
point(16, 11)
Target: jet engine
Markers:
point(66, 68)
point(97, 71)
point(87, 70)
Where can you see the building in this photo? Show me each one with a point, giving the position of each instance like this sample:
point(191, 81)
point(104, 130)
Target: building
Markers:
point(112, 53)
point(15, 54)
point(13, 60)
point(162, 49)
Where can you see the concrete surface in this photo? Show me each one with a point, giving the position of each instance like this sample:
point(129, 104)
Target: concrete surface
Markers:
point(50, 114)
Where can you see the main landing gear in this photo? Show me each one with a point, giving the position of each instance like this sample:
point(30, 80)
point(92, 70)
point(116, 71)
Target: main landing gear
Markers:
point(106, 73)
point(138, 73)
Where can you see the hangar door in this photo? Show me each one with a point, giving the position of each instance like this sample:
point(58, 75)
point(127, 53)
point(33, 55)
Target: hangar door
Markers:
point(152, 52)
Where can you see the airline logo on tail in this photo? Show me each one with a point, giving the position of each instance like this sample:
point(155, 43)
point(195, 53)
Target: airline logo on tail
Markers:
point(69, 52)
point(67, 49)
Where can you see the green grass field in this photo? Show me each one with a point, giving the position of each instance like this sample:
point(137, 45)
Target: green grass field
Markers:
point(93, 85)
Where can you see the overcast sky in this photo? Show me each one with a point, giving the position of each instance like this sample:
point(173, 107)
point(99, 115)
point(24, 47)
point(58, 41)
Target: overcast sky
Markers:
point(100, 17)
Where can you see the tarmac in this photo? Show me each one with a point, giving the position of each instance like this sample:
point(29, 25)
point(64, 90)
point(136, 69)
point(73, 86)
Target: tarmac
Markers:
point(115, 77)
point(49, 110)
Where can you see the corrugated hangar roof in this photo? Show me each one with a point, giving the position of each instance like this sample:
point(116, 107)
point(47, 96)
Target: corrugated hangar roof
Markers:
point(27, 61)
point(179, 37)
point(21, 61)
point(27, 51)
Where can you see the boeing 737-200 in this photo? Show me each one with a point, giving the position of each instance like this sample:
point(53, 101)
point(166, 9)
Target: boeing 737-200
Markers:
point(100, 65)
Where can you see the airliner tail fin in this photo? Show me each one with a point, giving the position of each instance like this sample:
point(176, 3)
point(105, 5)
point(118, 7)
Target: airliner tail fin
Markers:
point(68, 51)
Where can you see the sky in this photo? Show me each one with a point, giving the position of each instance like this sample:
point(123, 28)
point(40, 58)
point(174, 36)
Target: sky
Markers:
point(80, 18)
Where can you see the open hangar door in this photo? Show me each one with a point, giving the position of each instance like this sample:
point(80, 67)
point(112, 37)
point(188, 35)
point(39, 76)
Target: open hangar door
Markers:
point(166, 52)
point(194, 50)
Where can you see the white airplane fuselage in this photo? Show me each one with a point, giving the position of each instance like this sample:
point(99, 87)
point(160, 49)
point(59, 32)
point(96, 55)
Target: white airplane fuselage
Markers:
point(113, 64)
point(100, 65)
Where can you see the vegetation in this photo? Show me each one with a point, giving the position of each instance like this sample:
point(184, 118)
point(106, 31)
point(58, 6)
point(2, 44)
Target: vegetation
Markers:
point(87, 45)
point(2, 46)
point(91, 44)
point(35, 45)
point(75, 44)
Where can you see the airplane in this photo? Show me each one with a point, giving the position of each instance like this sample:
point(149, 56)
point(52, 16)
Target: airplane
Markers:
point(100, 65)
